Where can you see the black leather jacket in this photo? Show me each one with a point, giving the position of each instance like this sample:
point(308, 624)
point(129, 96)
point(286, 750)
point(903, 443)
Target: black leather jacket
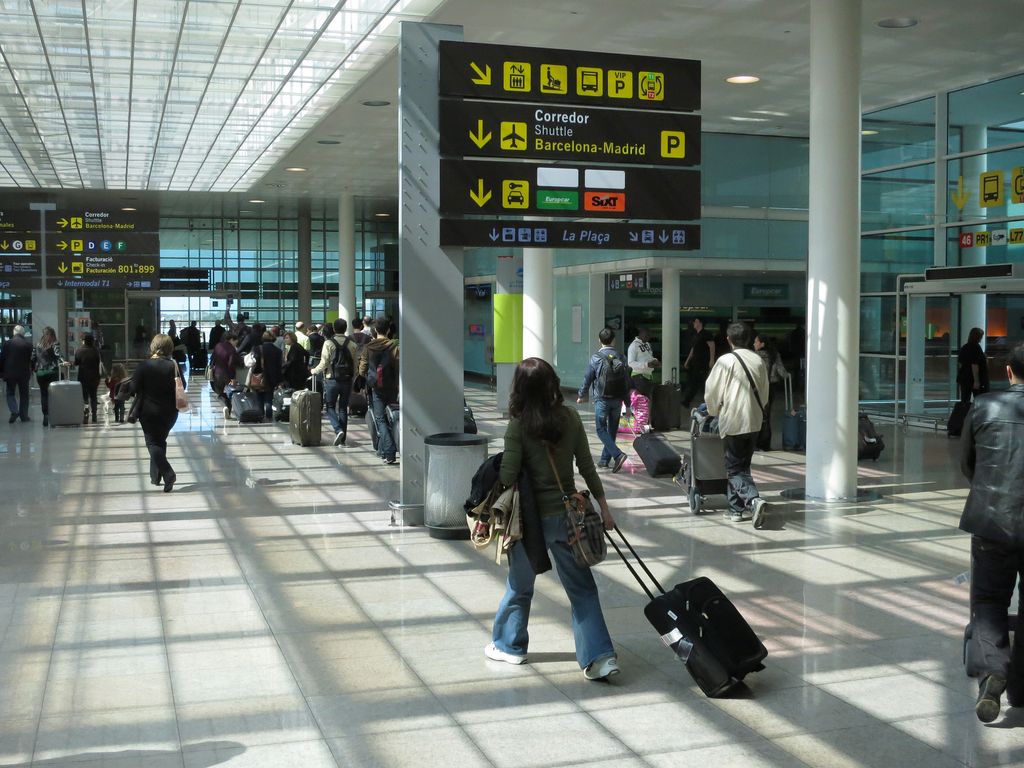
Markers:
point(992, 458)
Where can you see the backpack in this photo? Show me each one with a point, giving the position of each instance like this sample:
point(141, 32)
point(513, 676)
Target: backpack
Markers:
point(342, 366)
point(613, 381)
point(380, 373)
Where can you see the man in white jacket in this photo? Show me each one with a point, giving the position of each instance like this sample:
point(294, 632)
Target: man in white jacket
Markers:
point(736, 391)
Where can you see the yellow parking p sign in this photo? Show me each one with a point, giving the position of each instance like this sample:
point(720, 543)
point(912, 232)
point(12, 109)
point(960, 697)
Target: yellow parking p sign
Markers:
point(673, 144)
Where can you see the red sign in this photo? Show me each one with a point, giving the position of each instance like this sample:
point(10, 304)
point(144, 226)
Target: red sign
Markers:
point(967, 240)
point(604, 201)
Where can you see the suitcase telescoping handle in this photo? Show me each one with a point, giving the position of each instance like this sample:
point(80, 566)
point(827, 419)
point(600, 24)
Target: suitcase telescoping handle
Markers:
point(640, 562)
point(787, 381)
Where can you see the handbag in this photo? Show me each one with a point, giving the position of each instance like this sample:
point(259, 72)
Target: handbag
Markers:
point(584, 526)
point(180, 398)
point(135, 410)
point(249, 360)
point(497, 519)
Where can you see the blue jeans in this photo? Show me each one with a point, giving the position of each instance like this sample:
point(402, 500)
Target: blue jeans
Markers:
point(267, 401)
point(336, 394)
point(510, 634)
point(607, 413)
point(386, 448)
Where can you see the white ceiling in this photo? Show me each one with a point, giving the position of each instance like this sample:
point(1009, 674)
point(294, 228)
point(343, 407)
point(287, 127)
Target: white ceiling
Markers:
point(956, 43)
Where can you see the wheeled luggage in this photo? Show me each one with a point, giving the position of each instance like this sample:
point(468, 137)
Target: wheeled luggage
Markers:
point(794, 422)
point(702, 627)
point(305, 420)
point(197, 361)
point(468, 420)
point(665, 406)
point(702, 473)
point(658, 456)
point(65, 401)
point(246, 407)
point(282, 403)
point(869, 443)
point(640, 414)
point(357, 404)
point(391, 415)
point(955, 425)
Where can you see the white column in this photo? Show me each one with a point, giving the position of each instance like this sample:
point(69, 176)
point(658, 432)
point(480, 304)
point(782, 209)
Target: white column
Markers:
point(833, 264)
point(670, 324)
point(347, 308)
point(539, 304)
point(596, 312)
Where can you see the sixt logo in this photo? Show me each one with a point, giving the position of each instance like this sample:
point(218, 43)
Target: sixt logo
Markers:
point(605, 201)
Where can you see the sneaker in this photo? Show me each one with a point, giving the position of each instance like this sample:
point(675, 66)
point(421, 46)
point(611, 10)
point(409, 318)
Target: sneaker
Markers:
point(339, 438)
point(619, 461)
point(989, 691)
point(602, 465)
point(760, 512)
point(392, 460)
point(494, 653)
point(735, 517)
point(602, 669)
point(26, 418)
point(14, 418)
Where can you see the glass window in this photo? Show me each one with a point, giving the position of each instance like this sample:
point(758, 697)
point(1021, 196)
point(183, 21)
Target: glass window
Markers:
point(883, 257)
point(985, 244)
point(897, 135)
point(987, 115)
point(986, 186)
point(901, 198)
point(878, 325)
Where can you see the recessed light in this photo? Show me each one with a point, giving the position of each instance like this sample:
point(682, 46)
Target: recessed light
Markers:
point(128, 209)
point(375, 103)
point(328, 142)
point(743, 79)
point(382, 215)
point(277, 185)
point(296, 169)
point(898, 22)
point(749, 119)
point(769, 112)
point(245, 211)
point(257, 200)
point(869, 132)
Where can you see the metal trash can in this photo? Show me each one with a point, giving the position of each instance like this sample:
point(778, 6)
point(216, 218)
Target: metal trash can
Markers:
point(452, 458)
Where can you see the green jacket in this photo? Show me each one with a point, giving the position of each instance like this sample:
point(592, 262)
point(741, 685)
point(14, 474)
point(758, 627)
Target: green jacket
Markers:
point(521, 449)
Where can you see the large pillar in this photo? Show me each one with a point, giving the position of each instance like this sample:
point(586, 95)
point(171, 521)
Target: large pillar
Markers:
point(596, 312)
point(833, 264)
point(305, 285)
point(347, 258)
point(539, 304)
point(670, 324)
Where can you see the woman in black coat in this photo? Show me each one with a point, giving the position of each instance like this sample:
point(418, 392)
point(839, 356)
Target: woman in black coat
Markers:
point(269, 363)
point(87, 359)
point(972, 367)
point(153, 387)
point(296, 363)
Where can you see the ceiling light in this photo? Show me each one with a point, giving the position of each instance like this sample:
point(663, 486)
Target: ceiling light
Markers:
point(869, 132)
point(328, 142)
point(296, 169)
point(749, 119)
point(375, 103)
point(743, 79)
point(769, 112)
point(382, 215)
point(257, 200)
point(899, 22)
point(129, 210)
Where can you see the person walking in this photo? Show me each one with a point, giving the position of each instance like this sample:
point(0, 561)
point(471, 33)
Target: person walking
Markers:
point(378, 370)
point(543, 438)
point(994, 516)
point(48, 363)
point(972, 367)
point(87, 360)
point(698, 362)
point(337, 367)
point(295, 369)
point(152, 384)
point(17, 357)
point(777, 373)
point(607, 377)
point(226, 361)
point(269, 363)
point(642, 362)
point(736, 390)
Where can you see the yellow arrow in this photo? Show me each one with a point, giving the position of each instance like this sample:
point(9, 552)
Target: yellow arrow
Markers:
point(480, 138)
point(3, 245)
point(62, 245)
point(960, 197)
point(480, 196)
point(62, 222)
point(63, 267)
point(483, 76)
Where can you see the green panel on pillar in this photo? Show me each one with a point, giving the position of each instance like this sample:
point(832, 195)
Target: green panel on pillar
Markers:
point(508, 327)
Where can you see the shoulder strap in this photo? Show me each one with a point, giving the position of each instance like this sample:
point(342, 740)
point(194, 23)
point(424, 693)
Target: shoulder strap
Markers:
point(558, 479)
point(750, 378)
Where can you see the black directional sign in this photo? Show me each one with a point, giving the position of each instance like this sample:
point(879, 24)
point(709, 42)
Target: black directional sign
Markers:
point(590, 191)
point(519, 73)
point(19, 250)
point(579, 134)
point(103, 249)
point(492, 233)
point(80, 221)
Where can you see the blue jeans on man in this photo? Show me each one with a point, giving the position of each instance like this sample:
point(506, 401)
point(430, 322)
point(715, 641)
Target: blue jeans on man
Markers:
point(336, 394)
point(510, 633)
point(607, 412)
point(386, 447)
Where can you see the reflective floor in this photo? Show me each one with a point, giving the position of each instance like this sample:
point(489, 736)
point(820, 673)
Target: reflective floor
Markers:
point(266, 614)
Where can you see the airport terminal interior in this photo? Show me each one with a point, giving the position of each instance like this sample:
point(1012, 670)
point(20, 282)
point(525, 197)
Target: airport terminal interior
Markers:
point(215, 162)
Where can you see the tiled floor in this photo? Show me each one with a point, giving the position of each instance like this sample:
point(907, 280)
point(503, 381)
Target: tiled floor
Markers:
point(266, 614)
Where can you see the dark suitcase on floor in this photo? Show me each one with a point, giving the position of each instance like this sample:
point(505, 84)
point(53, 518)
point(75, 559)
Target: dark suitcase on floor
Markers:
point(392, 415)
point(955, 425)
point(869, 443)
point(658, 456)
point(282, 403)
point(246, 407)
point(794, 422)
point(666, 405)
point(702, 627)
point(197, 361)
point(468, 420)
point(357, 404)
point(305, 419)
point(65, 402)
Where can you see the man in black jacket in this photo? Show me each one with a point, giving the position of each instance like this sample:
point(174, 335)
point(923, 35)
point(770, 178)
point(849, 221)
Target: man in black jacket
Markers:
point(991, 458)
point(17, 370)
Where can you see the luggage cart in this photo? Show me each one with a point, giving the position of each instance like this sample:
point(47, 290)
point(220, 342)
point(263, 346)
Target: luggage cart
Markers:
point(702, 473)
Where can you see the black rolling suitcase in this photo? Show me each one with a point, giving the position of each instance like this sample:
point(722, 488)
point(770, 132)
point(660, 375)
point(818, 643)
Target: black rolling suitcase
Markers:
point(282, 403)
point(702, 627)
point(702, 473)
point(357, 404)
point(246, 407)
point(658, 456)
point(955, 425)
point(666, 404)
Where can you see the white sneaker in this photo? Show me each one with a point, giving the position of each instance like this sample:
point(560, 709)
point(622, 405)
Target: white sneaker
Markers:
point(760, 512)
point(602, 669)
point(494, 653)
